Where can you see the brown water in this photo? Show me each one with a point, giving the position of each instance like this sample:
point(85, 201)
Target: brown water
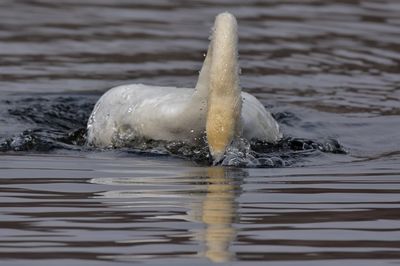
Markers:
point(328, 70)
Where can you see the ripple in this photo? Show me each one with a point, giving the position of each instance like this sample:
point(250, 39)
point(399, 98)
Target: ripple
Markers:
point(328, 71)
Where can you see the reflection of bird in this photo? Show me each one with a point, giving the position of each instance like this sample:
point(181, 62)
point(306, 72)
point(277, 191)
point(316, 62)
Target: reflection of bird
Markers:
point(216, 107)
point(219, 211)
point(212, 203)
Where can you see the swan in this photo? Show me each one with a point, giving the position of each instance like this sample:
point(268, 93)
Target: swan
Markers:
point(216, 108)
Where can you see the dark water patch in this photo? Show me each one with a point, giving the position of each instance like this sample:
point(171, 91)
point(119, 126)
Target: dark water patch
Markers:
point(298, 144)
point(57, 122)
point(58, 112)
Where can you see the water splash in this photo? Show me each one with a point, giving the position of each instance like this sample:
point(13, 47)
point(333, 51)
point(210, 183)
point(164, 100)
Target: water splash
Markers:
point(59, 124)
point(54, 122)
point(286, 152)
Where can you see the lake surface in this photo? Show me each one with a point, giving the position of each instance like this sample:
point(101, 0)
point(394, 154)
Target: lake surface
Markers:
point(328, 194)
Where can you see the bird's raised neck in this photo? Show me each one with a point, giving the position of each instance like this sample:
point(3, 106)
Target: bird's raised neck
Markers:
point(219, 83)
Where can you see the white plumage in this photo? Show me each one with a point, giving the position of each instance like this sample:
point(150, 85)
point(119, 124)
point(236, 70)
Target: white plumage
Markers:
point(214, 107)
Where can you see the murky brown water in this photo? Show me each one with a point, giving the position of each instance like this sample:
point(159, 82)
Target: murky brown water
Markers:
point(327, 69)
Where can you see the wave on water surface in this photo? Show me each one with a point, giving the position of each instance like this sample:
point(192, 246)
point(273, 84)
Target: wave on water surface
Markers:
point(58, 123)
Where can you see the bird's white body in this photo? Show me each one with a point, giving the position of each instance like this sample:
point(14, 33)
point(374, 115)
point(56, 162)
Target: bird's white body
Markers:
point(167, 113)
point(216, 108)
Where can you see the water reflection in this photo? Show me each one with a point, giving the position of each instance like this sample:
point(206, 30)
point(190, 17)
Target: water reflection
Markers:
point(219, 210)
point(210, 200)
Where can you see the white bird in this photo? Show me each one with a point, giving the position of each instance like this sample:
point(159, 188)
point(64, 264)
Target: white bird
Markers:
point(216, 108)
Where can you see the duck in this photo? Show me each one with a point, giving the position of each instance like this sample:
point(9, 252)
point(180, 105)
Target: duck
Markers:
point(215, 110)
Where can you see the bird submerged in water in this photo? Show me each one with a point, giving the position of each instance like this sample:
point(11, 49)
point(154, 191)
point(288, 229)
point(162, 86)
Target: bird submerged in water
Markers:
point(216, 108)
